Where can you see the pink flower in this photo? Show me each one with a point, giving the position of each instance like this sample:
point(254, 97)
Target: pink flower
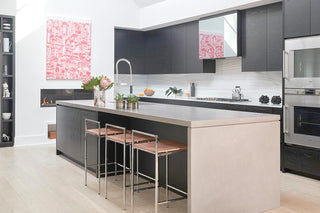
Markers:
point(105, 82)
point(87, 80)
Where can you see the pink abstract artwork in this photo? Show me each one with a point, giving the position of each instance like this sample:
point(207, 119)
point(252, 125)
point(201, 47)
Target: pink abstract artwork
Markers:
point(68, 49)
point(210, 45)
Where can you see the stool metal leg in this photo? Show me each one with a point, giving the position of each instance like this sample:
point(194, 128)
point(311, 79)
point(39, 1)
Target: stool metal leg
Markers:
point(167, 180)
point(156, 179)
point(138, 170)
point(115, 161)
point(124, 174)
point(106, 164)
point(85, 159)
point(99, 162)
point(132, 173)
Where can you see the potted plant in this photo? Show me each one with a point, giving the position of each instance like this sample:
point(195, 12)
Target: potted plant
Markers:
point(99, 85)
point(132, 102)
point(173, 90)
point(120, 103)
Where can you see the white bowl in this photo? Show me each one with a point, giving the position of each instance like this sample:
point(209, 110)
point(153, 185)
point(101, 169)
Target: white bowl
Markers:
point(149, 93)
point(6, 115)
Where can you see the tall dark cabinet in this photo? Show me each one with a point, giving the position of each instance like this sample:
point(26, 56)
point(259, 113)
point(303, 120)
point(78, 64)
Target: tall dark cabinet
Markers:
point(262, 39)
point(7, 64)
point(301, 18)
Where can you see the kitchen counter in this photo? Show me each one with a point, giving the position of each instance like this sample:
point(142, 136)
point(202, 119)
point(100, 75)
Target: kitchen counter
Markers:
point(177, 115)
point(194, 99)
point(232, 162)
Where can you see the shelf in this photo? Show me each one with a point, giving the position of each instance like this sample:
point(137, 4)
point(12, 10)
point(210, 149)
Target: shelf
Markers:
point(7, 53)
point(7, 31)
point(7, 98)
point(6, 144)
point(7, 63)
point(7, 121)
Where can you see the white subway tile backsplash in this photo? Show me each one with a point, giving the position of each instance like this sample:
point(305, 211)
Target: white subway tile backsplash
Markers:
point(220, 84)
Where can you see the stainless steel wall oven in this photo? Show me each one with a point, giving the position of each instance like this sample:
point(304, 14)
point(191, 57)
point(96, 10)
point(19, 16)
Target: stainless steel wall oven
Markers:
point(302, 117)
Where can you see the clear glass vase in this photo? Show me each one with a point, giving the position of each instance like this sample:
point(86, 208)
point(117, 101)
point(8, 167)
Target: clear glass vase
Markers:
point(99, 97)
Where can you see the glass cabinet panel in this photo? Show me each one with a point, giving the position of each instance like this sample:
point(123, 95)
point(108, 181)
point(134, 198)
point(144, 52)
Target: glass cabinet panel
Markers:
point(307, 120)
point(307, 63)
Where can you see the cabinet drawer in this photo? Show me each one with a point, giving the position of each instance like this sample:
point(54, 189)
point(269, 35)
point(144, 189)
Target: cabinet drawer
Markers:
point(302, 160)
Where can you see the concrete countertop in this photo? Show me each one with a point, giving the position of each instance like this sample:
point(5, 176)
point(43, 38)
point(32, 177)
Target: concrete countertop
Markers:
point(177, 115)
point(194, 99)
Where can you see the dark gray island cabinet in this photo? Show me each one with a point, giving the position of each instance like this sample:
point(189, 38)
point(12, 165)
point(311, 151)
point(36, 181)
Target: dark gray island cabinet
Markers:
point(232, 160)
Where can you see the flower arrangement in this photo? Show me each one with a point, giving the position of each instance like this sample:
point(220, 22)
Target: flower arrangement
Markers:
point(99, 85)
point(100, 82)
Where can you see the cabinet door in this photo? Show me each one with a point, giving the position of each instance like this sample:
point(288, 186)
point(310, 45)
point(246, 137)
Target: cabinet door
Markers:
point(254, 37)
point(68, 132)
point(178, 48)
point(296, 18)
point(158, 51)
point(274, 37)
point(130, 45)
point(315, 17)
point(193, 63)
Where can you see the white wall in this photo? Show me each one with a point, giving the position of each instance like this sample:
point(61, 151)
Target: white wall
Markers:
point(31, 120)
point(8, 7)
point(176, 11)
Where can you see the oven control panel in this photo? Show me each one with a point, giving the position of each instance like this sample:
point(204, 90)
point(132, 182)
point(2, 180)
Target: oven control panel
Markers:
point(302, 91)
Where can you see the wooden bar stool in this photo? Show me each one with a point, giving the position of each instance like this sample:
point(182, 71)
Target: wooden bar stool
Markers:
point(125, 139)
point(158, 148)
point(99, 133)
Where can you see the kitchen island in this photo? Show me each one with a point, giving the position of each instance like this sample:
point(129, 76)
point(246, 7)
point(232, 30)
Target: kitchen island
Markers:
point(233, 158)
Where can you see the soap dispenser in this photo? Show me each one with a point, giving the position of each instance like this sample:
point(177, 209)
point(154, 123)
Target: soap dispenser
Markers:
point(192, 89)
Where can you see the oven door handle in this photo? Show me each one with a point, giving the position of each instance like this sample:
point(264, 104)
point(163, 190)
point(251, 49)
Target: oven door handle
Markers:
point(285, 117)
point(284, 67)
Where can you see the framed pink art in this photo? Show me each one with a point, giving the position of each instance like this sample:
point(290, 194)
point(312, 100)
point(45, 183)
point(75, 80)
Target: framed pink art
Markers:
point(68, 49)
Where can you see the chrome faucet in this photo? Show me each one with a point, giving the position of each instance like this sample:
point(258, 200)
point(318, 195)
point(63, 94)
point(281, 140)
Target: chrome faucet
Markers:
point(117, 83)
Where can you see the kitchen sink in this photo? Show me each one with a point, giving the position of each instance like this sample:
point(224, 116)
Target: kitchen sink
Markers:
point(222, 99)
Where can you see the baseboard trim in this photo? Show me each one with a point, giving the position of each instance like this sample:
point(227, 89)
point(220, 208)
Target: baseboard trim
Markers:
point(32, 140)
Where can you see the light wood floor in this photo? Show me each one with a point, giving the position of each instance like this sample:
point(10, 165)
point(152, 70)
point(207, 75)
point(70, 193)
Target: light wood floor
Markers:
point(34, 179)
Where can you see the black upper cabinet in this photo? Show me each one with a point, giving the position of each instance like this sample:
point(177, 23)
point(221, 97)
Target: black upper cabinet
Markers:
point(254, 37)
point(130, 45)
point(315, 17)
point(178, 48)
point(158, 51)
point(274, 37)
point(297, 18)
point(262, 38)
point(193, 63)
point(169, 50)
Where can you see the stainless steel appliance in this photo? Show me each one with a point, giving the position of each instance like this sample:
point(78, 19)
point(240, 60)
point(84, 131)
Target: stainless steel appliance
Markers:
point(301, 62)
point(301, 113)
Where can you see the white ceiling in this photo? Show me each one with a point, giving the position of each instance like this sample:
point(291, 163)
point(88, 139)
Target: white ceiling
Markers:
point(145, 3)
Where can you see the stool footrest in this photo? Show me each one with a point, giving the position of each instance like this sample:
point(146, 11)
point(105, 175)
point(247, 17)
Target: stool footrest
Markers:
point(171, 200)
point(145, 188)
point(178, 190)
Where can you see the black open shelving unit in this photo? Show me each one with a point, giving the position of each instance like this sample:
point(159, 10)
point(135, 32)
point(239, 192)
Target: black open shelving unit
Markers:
point(7, 30)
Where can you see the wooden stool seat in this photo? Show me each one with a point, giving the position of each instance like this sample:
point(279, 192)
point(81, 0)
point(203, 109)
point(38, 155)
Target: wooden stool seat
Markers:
point(111, 131)
point(163, 146)
point(137, 138)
